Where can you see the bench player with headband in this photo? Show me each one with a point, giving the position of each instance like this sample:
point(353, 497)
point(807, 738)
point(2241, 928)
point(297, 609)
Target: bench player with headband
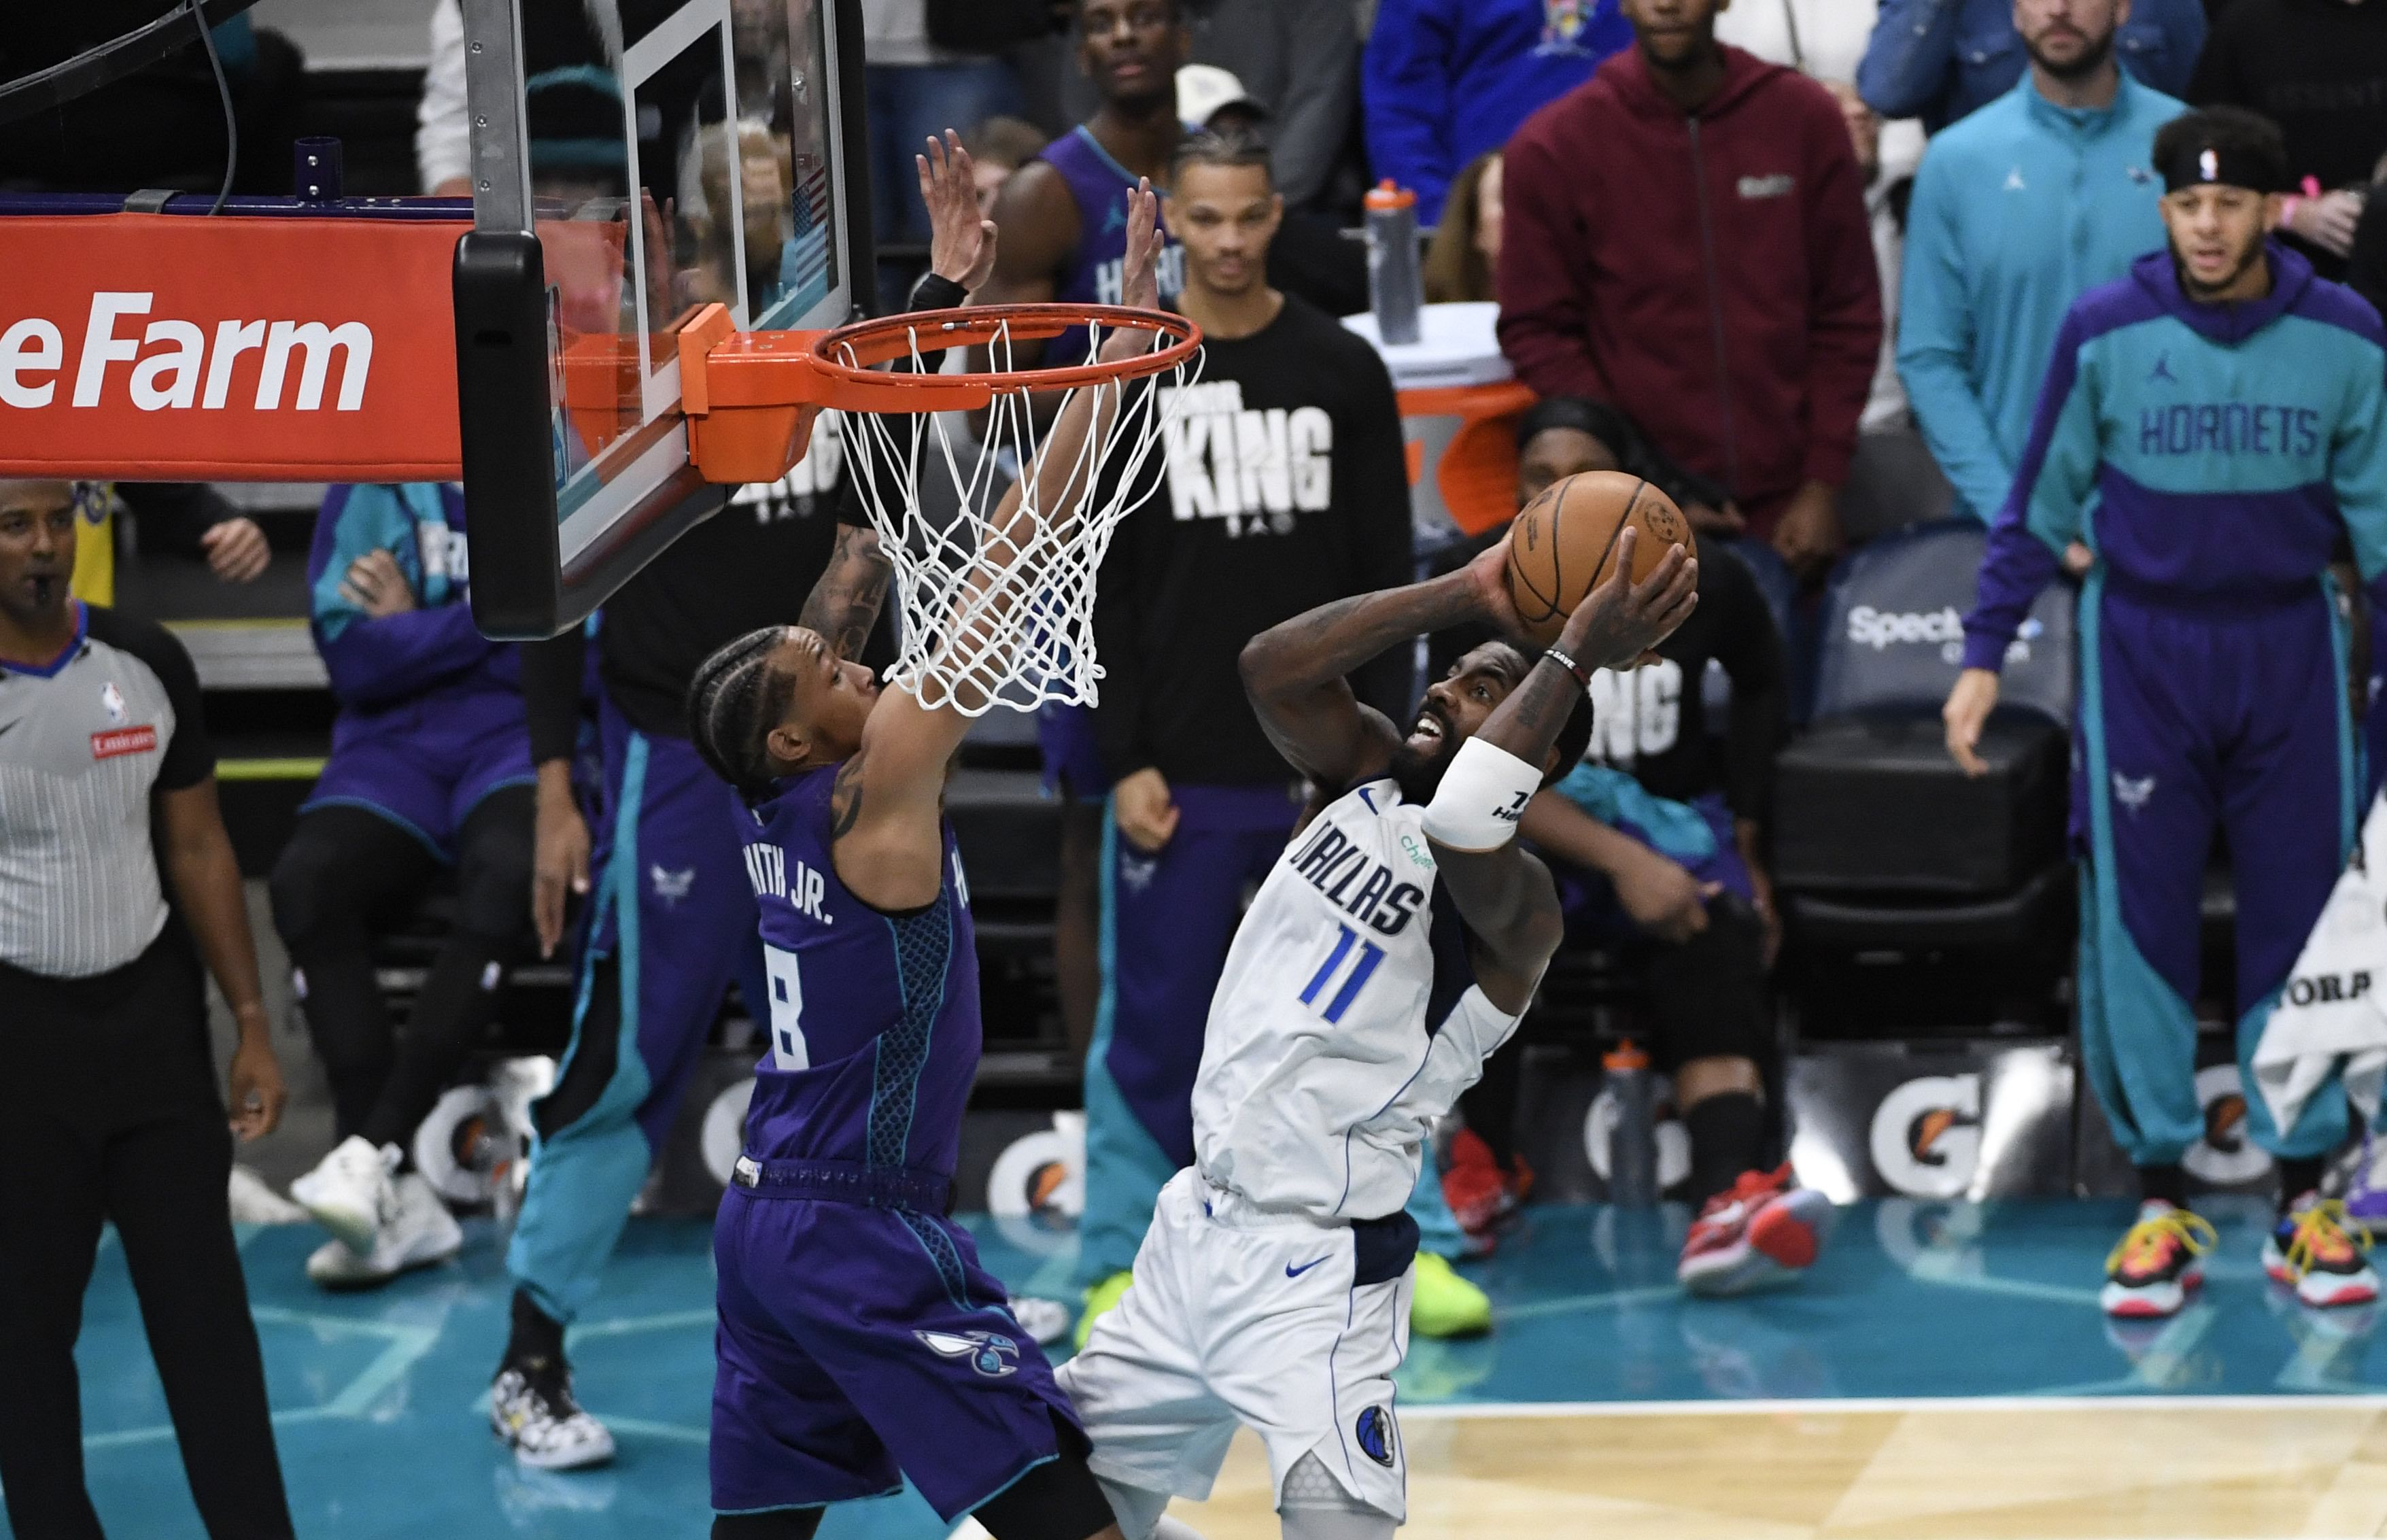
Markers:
point(859, 1341)
point(1391, 950)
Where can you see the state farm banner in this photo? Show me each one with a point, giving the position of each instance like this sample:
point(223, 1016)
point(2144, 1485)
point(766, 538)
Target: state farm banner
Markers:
point(146, 347)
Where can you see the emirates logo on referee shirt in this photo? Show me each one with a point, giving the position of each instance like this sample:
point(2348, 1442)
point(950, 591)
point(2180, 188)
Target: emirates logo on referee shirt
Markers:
point(123, 740)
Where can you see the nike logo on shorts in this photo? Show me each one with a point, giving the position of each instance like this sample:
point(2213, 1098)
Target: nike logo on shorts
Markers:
point(1292, 1272)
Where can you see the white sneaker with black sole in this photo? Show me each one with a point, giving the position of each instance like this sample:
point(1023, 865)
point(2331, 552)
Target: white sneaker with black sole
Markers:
point(536, 1414)
point(420, 1234)
point(350, 1191)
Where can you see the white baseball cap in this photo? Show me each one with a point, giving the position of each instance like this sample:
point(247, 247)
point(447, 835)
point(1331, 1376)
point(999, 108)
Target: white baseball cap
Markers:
point(1203, 89)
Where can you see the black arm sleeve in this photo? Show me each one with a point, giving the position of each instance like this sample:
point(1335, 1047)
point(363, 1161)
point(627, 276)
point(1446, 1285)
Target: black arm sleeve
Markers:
point(170, 516)
point(551, 672)
point(1751, 653)
point(1371, 482)
point(188, 756)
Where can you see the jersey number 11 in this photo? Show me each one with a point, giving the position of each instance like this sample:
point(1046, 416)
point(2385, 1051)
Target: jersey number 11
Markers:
point(1352, 982)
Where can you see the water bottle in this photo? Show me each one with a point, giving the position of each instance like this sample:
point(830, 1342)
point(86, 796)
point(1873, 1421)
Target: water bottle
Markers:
point(1395, 275)
point(1633, 1137)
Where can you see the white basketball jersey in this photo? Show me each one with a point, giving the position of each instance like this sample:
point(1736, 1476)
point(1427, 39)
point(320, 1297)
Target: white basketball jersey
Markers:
point(1347, 1021)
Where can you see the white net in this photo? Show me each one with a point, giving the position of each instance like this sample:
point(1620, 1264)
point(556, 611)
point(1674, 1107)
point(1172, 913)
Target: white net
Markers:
point(996, 601)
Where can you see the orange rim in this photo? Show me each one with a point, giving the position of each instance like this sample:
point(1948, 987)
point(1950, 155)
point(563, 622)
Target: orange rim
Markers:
point(846, 354)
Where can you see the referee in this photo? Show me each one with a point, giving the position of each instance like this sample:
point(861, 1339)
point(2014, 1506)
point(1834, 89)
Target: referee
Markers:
point(109, 1108)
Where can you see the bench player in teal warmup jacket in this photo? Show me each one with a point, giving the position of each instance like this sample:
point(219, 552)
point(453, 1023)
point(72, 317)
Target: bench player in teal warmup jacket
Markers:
point(2211, 427)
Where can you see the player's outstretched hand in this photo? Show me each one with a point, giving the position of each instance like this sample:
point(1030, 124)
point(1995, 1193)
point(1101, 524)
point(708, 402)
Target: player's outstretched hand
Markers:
point(1620, 620)
point(1140, 283)
point(961, 240)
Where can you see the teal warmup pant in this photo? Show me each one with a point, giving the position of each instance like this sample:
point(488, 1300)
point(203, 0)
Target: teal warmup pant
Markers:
point(2193, 721)
point(1167, 920)
point(671, 922)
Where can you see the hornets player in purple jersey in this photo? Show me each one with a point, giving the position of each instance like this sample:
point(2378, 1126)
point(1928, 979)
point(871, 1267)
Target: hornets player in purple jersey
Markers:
point(859, 1342)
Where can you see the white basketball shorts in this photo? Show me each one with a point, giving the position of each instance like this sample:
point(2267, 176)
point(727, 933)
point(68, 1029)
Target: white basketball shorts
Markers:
point(1237, 1316)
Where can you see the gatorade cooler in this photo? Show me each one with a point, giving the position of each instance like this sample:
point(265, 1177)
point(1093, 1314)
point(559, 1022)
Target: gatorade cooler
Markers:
point(1460, 404)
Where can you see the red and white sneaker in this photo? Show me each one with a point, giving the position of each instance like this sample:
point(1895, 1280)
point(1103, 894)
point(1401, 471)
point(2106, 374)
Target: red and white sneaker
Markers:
point(1761, 1232)
point(2316, 1250)
point(1480, 1194)
point(2158, 1264)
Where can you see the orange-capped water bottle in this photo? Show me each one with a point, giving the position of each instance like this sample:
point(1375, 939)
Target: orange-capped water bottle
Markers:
point(1395, 273)
point(1633, 1135)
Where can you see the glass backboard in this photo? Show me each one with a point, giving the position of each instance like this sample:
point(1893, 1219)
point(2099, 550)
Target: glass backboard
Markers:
point(635, 160)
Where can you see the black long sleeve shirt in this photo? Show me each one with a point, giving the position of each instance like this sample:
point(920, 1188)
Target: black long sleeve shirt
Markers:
point(1283, 486)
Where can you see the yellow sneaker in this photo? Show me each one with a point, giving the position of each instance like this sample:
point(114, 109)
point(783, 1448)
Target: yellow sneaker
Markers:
point(1099, 1298)
point(1442, 1303)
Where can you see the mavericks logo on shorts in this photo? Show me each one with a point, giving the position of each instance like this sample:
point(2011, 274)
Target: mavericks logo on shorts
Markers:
point(987, 1351)
point(1374, 1431)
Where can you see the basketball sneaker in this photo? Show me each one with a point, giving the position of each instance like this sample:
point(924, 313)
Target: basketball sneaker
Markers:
point(349, 1191)
point(532, 1408)
point(2158, 1263)
point(1099, 1300)
point(2316, 1250)
point(420, 1234)
point(1047, 1320)
point(1480, 1194)
point(1759, 1232)
point(1444, 1305)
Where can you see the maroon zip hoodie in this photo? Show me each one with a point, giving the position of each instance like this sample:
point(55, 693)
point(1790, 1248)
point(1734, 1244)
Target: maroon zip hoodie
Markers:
point(1711, 274)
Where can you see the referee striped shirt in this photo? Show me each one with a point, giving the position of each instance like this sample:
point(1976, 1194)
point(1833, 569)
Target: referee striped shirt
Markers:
point(87, 741)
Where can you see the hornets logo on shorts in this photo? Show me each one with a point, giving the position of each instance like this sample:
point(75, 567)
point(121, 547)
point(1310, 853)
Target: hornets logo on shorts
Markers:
point(1374, 1431)
point(990, 1353)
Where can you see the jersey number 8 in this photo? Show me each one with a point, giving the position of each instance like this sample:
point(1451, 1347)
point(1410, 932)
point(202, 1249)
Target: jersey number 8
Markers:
point(787, 1050)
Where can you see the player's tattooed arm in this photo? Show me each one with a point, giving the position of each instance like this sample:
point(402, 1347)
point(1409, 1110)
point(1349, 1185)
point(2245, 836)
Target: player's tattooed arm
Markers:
point(844, 603)
point(845, 800)
point(1297, 673)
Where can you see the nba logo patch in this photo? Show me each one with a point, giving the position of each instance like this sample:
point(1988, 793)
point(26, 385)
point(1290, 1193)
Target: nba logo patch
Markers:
point(111, 700)
point(1374, 1431)
point(990, 1353)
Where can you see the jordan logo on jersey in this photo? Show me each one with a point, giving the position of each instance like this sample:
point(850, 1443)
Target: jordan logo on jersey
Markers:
point(1256, 470)
point(1355, 882)
point(766, 868)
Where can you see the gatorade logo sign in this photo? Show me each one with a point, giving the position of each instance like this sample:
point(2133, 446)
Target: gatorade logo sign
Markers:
point(2225, 1156)
point(233, 349)
point(1926, 1139)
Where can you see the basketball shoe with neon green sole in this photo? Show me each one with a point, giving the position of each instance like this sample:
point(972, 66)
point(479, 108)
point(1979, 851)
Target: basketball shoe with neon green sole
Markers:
point(1099, 1298)
point(1442, 1303)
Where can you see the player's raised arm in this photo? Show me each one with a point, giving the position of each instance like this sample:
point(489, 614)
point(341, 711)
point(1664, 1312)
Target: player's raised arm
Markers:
point(1504, 893)
point(890, 794)
point(1299, 673)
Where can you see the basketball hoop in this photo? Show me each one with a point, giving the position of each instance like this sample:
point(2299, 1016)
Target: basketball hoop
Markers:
point(989, 615)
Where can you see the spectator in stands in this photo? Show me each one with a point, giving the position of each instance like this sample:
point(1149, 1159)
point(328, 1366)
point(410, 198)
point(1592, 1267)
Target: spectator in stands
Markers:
point(1891, 479)
point(2019, 208)
point(2213, 669)
point(110, 1111)
point(1299, 60)
point(430, 772)
point(1309, 257)
point(2319, 69)
point(1201, 802)
point(917, 89)
point(1743, 329)
point(179, 518)
point(1465, 251)
point(1941, 59)
point(1442, 82)
point(998, 147)
point(1658, 842)
point(1063, 218)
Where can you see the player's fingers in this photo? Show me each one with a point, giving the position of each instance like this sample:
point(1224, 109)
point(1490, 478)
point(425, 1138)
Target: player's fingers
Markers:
point(1694, 918)
point(547, 910)
point(1627, 540)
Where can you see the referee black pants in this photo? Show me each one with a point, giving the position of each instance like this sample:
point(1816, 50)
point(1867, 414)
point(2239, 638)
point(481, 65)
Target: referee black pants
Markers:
point(110, 1111)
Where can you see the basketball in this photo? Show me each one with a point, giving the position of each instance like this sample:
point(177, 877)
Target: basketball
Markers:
point(1563, 544)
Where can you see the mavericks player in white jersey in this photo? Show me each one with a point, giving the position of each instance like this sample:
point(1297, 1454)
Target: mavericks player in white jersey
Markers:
point(1389, 951)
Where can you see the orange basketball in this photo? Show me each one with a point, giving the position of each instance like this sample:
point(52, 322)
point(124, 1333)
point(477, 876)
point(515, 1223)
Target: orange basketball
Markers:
point(1563, 544)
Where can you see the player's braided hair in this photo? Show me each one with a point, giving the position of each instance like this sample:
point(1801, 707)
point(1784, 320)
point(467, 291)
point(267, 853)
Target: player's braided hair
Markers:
point(733, 702)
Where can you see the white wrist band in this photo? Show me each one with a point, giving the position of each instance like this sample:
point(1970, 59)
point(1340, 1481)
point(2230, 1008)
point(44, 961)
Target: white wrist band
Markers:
point(1481, 796)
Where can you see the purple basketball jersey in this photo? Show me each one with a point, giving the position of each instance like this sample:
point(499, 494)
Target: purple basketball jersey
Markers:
point(1095, 273)
point(874, 1017)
